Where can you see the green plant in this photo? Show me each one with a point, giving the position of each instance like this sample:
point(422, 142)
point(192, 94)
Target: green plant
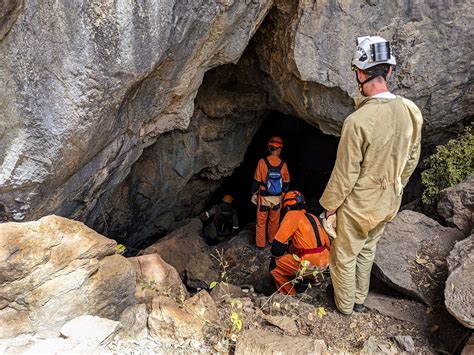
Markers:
point(448, 166)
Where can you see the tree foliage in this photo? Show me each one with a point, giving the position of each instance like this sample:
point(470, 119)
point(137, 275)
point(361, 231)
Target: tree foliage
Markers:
point(448, 166)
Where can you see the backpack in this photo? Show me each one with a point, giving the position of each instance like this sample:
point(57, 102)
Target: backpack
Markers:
point(274, 183)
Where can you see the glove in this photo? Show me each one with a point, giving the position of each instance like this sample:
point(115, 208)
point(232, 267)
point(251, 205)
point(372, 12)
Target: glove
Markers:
point(329, 224)
point(254, 199)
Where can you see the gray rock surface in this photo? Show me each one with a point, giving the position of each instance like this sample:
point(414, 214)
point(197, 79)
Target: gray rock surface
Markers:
point(399, 308)
point(306, 48)
point(459, 290)
point(389, 345)
point(169, 321)
point(174, 178)
point(133, 321)
point(456, 205)
point(411, 256)
point(103, 122)
point(187, 252)
point(87, 86)
point(258, 341)
point(56, 269)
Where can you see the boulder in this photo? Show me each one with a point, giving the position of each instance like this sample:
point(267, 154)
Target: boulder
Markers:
point(459, 290)
point(186, 251)
point(154, 276)
point(89, 329)
point(411, 256)
point(456, 205)
point(83, 334)
point(259, 341)
point(133, 322)
point(202, 306)
point(388, 345)
point(399, 308)
point(56, 269)
point(224, 292)
point(172, 322)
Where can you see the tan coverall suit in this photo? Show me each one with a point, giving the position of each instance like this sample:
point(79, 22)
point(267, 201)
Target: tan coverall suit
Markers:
point(378, 151)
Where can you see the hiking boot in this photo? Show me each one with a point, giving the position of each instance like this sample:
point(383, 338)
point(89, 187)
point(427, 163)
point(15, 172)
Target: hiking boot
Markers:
point(359, 307)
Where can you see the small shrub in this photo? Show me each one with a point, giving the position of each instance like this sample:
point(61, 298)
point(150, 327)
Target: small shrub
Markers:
point(450, 165)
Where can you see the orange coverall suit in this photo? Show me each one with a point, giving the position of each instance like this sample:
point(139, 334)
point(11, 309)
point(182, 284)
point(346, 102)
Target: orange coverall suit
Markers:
point(264, 212)
point(296, 226)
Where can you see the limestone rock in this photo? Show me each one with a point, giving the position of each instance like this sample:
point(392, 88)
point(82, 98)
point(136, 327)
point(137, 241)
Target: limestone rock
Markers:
point(399, 308)
point(174, 177)
point(154, 276)
point(306, 49)
point(169, 321)
point(456, 205)
point(388, 345)
point(258, 341)
point(202, 306)
point(89, 329)
point(87, 86)
point(459, 290)
point(285, 323)
point(186, 251)
point(56, 269)
point(411, 256)
point(133, 322)
point(101, 112)
point(223, 292)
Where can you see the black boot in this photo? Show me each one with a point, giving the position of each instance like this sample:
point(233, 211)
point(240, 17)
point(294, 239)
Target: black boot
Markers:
point(359, 307)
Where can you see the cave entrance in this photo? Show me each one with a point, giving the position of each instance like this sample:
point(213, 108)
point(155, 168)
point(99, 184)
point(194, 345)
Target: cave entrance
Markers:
point(309, 153)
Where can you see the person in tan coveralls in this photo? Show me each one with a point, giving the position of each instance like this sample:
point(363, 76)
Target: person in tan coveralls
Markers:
point(378, 151)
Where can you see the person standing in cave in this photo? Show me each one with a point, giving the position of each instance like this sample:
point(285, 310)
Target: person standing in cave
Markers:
point(220, 221)
point(270, 181)
point(378, 151)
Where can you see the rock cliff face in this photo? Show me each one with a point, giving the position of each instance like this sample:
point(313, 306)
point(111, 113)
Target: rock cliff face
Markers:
point(101, 116)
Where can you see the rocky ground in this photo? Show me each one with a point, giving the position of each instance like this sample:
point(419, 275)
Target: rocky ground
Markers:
point(65, 288)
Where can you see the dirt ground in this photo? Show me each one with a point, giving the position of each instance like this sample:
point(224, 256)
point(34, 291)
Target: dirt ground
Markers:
point(433, 330)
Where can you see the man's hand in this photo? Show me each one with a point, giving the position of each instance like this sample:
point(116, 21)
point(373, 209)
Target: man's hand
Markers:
point(254, 199)
point(329, 219)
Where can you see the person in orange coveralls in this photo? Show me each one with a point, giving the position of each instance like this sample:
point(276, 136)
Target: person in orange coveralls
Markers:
point(309, 241)
point(270, 181)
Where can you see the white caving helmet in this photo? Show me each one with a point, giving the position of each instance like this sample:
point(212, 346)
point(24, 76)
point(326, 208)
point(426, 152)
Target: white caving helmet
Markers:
point(372, 51)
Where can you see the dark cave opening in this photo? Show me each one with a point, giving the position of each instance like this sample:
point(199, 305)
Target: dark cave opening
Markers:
point(309, 153)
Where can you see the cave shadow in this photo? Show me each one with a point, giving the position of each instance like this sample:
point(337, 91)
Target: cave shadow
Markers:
point(309, 153)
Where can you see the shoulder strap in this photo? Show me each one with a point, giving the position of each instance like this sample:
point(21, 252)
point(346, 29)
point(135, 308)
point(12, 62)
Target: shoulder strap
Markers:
point(281, 165)
point(267, 162)
point(315, 228)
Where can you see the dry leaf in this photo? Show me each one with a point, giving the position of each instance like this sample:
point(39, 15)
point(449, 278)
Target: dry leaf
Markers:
point(434, 328)
point(421, 261)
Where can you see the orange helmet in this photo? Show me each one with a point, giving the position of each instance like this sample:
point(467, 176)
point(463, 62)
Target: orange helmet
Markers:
point(227, 199)
point(275, 142)
point(293, 198)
